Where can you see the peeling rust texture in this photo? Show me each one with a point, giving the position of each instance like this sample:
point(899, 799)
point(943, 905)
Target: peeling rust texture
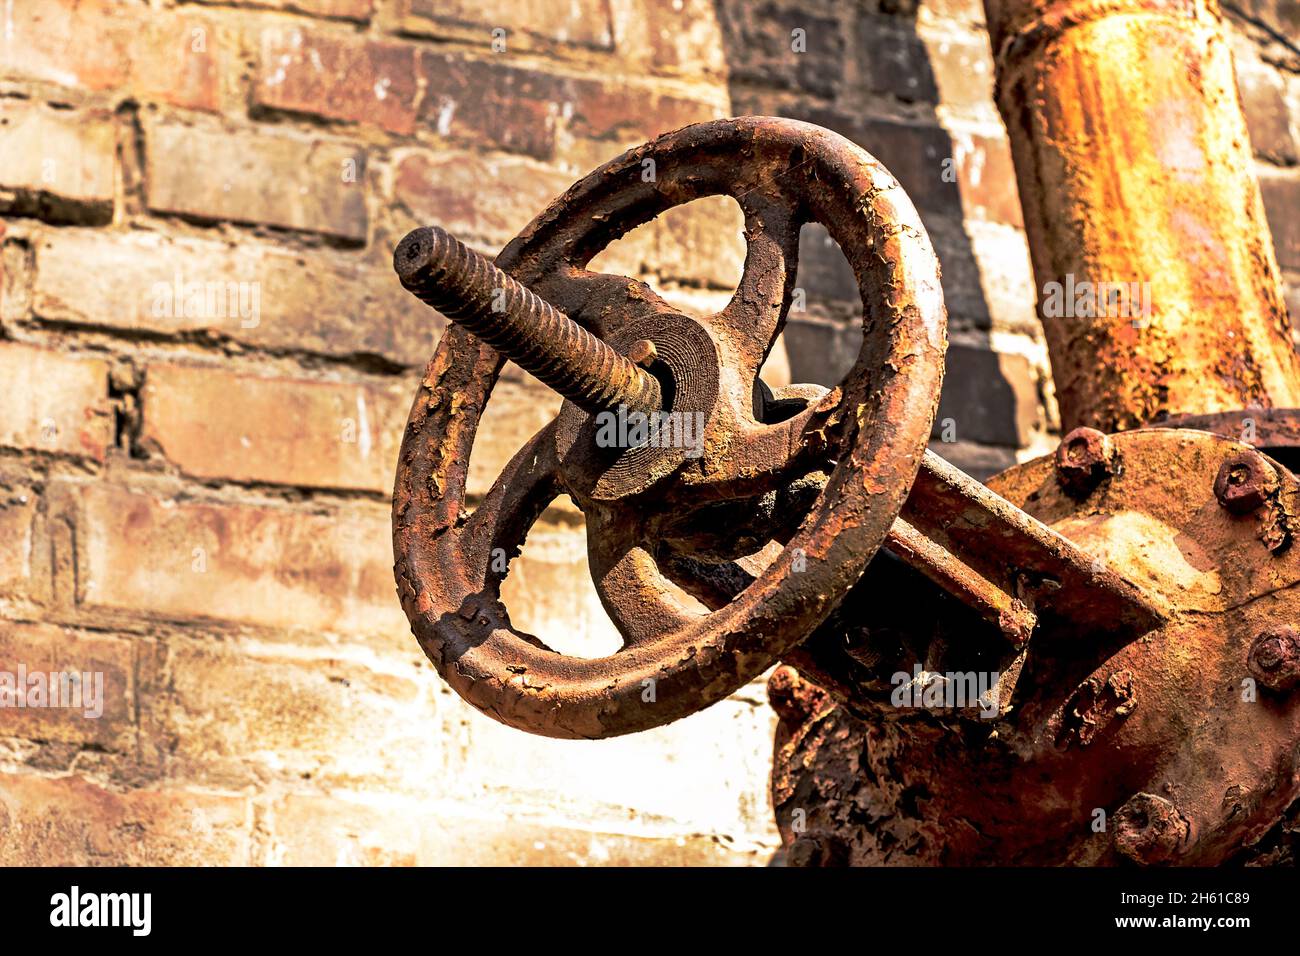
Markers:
point(865, 438)
point(1135, 175)
point(1179, 728)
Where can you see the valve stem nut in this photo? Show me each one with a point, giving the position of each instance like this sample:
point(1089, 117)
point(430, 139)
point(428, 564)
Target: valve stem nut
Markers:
point(1274, 659)
point(1084, 459)
point(1244, 481)
point(1150, 830)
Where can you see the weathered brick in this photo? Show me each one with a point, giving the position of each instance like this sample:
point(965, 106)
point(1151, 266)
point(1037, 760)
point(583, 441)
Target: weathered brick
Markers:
point(105, 717)
point(275, 567)
point(54, 402)
point(521, 110)
point(1267, 117)
point(17, 511)
point(991, 398)
point(314, 301)
point(550, 594)
point(986, 274)
point(218, 423)
point(57, 164)
point(283, 180)
point(333, 831)
point(824, 274)
point(227, 715)
point(988, 397)
point(580, 22)
point(1282, 17)
point(339, 76)
point(821, 351)
point(491, 104)
point(154, 54)
point(70, 821)
point(964, 11)
point(893, 59)
point(671, 36)
point(1281, 194)
point(699, 242)
point(1291, 292)
point(515, 412)
point(329, 9)
point(626, 114)
point(762, 40)
point(962, 69)
point(484, 199)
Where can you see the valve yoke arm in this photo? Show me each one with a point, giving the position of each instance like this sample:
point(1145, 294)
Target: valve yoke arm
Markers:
point(1004, 564)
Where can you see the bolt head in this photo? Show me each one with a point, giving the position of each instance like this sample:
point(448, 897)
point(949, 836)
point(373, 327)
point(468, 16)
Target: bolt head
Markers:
point(1244, 482)
point(1274, 659)
point(1083, 459)
point(1150, 830)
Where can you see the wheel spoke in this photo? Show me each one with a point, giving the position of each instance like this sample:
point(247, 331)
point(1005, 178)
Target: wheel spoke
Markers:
point(754, 317)
point(640, 600)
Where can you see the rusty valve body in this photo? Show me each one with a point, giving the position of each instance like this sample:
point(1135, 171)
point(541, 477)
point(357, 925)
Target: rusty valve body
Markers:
point(1122, 596)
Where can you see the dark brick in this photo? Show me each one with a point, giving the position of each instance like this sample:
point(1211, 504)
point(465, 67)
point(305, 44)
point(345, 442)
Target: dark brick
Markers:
point(1266, 114)
point(893, 59)
point(824, 273)
point(491, 104)
point(1282, 204)
point(585, 23)
point(821, 352)
point(520, 110)
point(759, 42)
point(990, 397)
point(338, 76)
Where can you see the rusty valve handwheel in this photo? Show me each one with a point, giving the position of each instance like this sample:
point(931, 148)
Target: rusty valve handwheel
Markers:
point(639, 353)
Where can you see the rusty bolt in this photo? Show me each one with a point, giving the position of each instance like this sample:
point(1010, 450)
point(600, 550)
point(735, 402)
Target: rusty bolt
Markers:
point(1084, 457)
point(1244, 481)
point(444, 273)
point(1275, 658)
point(1149, 829)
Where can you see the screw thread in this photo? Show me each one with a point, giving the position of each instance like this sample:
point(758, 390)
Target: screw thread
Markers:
point(467, 288)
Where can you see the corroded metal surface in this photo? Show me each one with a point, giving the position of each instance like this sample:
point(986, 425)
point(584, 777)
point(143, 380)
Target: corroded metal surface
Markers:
point(1158, 286)
point(1173, 744)
point(869, 433)
point(448, 276)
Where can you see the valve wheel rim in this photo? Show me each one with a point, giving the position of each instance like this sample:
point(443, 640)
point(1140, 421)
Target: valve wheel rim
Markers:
point(876, 423)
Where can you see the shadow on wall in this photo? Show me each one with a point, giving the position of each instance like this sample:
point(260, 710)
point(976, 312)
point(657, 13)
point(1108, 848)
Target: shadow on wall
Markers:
point(871, 80)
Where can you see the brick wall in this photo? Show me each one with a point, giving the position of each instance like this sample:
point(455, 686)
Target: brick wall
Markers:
point(193, 487)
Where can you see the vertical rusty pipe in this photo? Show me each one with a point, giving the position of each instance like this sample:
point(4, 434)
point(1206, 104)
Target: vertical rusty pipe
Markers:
point(1134, 166)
